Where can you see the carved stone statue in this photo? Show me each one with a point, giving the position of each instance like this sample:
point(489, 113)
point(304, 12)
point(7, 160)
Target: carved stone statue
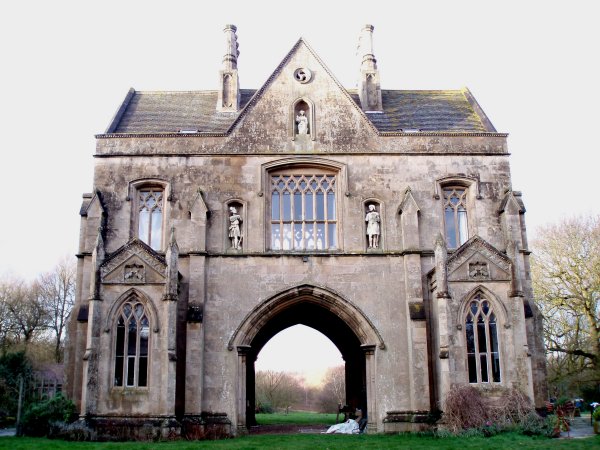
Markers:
point(234, 228)
point(372, 218)
point(302, 122)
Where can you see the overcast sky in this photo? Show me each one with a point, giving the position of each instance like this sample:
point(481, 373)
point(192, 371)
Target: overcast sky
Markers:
point(66, 66)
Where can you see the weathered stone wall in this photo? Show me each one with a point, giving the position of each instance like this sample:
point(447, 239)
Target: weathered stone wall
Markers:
point(228, 286)
point(221, 178)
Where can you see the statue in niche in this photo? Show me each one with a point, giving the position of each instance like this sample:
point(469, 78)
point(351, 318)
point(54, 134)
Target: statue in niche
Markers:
point(234, 228)
point(302, 122)
point(372, 218)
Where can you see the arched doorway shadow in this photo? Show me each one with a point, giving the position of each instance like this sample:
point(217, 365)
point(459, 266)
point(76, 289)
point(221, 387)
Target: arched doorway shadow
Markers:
point(342, 322)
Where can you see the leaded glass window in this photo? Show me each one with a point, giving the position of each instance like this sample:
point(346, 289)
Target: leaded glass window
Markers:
point(303, 212)
point(481, 329)
point(131, 345)
point(150, 208)
point(455, 216)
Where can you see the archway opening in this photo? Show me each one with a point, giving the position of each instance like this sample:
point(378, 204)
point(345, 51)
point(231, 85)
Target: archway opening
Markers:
point(329, 324)
point(299, 371)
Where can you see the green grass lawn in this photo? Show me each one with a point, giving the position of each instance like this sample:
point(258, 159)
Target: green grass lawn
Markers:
point(313, 442)
point(296, 418)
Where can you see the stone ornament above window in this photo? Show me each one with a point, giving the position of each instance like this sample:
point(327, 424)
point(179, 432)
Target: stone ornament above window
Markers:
point(479, 271)
point(302, 75)
point(134, 273)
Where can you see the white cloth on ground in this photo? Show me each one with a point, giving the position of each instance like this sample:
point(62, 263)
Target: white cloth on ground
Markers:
point(350, 426)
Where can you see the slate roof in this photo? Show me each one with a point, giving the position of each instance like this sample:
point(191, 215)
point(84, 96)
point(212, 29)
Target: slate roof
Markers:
point(427, 111)
point(169, 112)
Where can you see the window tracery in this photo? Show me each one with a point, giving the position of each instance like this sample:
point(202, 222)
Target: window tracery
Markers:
point(131, 345)
point(481, 332)
point(455, 216)
point(150, 216)
point(303, 211)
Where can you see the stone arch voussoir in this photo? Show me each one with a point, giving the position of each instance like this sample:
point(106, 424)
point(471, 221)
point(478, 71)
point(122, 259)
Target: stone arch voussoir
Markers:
point(348, 312)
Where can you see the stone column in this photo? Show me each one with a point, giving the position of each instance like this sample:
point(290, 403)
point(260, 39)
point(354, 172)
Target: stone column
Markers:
point(442, 298)
point(243, 354)
point(89, 397)
point(194, 363)
point(415, 315)
point(370, 366)
point(522, 373)
point(170, 298)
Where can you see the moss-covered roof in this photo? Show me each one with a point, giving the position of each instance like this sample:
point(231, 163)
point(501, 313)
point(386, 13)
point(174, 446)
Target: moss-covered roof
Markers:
point(170, 112)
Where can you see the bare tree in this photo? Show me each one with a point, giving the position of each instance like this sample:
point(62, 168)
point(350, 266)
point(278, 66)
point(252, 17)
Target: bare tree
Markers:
point(25, 310)
point(279, 389)
point(333, 392)
point(7, 325)
point(57, 292)
point(566, 281)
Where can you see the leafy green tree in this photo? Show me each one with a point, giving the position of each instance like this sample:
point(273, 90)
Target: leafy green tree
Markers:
point(13, 366)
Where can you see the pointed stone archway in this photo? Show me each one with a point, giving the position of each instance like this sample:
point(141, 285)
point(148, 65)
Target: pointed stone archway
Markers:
point(341, 321)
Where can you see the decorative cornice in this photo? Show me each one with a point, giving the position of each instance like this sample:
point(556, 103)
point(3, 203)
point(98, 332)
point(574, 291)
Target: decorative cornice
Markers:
point(159, 135)
point(202, 134)
point(443, 133)
point(324, 153)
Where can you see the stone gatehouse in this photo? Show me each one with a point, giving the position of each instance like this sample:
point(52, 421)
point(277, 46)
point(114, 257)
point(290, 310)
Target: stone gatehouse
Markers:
point(385, 219)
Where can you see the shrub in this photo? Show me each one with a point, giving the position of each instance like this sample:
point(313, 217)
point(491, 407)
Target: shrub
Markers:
point(596, 414)
point(467, 413)
point(464, 408)
point(513, 406)
point(38, 416)
point(535, 425)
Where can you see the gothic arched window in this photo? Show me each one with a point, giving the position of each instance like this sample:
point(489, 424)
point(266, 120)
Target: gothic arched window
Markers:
point(455, 216)
point(150, 216)
point(131, 345)
point(483, 357)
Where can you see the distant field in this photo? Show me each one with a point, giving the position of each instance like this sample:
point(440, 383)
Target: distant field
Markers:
point(296, 418)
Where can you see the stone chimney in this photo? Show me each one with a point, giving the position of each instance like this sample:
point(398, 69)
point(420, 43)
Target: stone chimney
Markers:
point(369, 87)
point(229, 86)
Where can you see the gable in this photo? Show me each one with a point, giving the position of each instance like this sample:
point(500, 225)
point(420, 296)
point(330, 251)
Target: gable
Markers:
point(134, 263)
point(268, 117)
point(477, 260)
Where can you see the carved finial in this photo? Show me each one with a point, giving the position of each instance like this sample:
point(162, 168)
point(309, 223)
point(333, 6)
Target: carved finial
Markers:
point(365, 48)
point(439, 241)
point(441, 267)
point(172, 257)
point(369, 86)
point(229, 84)
point(231, 48)
point(99, 248)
